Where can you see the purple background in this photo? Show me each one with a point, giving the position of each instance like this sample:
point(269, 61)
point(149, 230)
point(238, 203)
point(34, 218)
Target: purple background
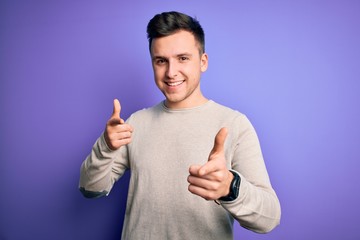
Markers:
point(292, 66)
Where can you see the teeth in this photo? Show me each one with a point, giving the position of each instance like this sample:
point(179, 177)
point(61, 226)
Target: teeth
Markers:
point(174, 83)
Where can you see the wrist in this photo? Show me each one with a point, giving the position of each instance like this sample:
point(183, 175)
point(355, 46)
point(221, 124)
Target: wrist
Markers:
point(233, 189)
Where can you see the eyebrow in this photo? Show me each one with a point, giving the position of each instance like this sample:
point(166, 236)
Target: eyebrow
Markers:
point(177, 55)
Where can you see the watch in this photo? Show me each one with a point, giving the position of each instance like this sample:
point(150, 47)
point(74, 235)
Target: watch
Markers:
point(234, 188)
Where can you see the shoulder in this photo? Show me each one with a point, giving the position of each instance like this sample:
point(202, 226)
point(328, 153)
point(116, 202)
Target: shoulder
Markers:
point(145, 113)
point(225, 112)
point(235, 120)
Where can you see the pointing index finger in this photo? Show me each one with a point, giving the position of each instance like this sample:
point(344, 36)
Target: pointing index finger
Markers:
point(219, 141)
point(116, 109)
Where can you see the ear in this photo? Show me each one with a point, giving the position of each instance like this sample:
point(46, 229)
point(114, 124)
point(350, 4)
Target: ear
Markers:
point(204, 62)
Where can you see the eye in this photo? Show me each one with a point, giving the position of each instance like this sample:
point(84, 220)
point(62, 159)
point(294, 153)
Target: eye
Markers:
point(160, 61)
point(183, 59)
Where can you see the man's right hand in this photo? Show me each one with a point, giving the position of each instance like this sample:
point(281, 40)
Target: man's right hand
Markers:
point(117, 132)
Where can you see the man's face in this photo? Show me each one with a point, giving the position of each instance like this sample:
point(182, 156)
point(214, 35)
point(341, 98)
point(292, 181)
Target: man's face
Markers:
point(177, 66)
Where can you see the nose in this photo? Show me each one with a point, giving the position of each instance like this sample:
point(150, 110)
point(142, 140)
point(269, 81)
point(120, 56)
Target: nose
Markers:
point(172, 69)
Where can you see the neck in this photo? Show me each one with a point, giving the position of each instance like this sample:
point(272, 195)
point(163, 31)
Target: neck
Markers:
point(186, 103)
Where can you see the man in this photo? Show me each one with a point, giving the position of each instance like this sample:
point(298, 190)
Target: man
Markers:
point(183, 151)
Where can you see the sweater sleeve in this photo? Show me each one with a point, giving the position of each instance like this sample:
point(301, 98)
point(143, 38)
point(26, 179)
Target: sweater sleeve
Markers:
point(101, 169)
point(257, 207)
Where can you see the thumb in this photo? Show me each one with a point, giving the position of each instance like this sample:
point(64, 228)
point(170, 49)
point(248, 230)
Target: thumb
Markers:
point(116, 109)
point(219, 141)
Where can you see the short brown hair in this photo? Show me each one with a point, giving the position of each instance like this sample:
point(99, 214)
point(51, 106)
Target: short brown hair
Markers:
point(167, 23)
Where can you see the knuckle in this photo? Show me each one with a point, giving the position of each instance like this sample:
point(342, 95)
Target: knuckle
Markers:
point(220, 176)
point(216, 177)
point(215, 186)
point(125, 135)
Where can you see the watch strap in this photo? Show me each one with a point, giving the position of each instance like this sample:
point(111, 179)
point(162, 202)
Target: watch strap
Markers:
point(234, 188)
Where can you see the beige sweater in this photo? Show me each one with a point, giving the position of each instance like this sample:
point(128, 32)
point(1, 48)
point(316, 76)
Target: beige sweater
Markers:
point(165, 143)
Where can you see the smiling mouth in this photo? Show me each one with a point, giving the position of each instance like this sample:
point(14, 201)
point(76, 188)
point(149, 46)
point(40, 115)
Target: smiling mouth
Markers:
point(174, 84)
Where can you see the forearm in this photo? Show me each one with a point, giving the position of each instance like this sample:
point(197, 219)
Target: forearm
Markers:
point(256, 208)
point(98, 174)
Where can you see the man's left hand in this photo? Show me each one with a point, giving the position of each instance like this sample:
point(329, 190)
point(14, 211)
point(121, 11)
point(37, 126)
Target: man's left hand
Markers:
point(212, 180)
